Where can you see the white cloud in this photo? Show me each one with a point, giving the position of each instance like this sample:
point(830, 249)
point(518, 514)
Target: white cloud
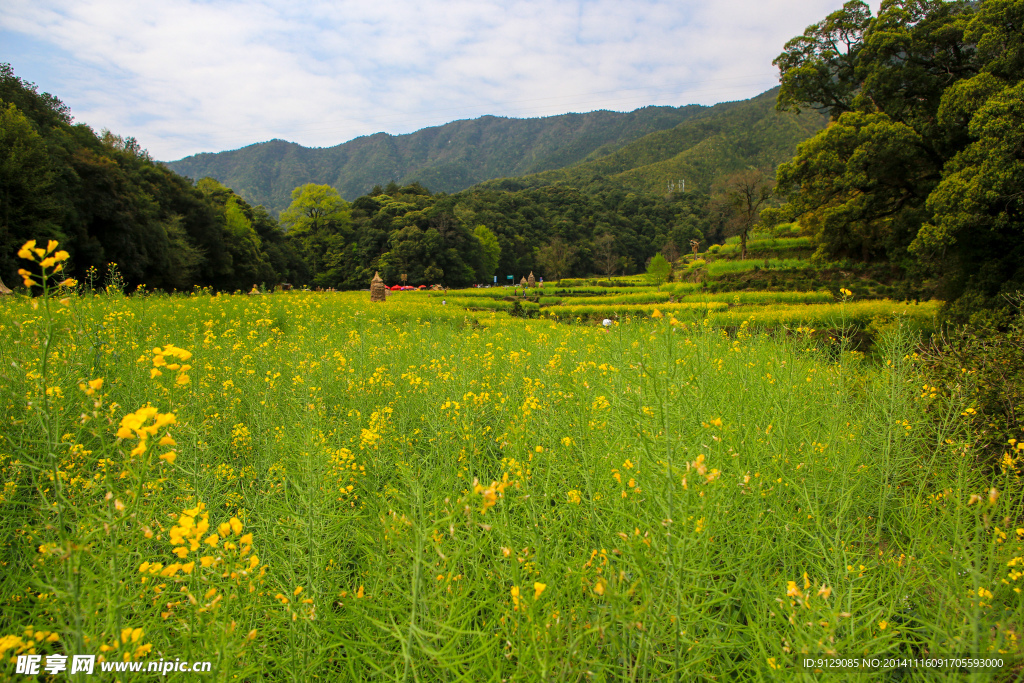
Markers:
point(185, 76)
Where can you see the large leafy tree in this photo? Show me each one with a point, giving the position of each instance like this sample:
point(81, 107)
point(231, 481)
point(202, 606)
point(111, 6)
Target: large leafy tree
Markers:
point(557, 257)
point(318, 220)
point(921, 100)
point(243, 246)
point(976, 231)
point(314, 208)
point(490, 252)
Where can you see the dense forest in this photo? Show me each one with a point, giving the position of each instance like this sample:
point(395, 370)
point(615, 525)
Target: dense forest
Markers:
point(473, 236)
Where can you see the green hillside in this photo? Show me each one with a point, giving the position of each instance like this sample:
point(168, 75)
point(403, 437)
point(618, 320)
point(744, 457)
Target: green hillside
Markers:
point(719, 140)
point(644, 150)
point(444, 158)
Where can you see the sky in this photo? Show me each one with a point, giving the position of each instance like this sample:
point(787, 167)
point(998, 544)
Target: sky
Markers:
point(190, 76)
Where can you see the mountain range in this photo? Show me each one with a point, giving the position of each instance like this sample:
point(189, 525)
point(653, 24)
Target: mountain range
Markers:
point(649, 149)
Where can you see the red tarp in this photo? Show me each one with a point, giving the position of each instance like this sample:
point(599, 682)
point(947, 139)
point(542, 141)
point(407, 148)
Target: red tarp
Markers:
point(396, 288)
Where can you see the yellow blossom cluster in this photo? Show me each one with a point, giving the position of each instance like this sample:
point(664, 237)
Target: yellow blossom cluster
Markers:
point(138, 425)
point(491, 493)
point(517, 599)
point(171, 351)
point(26, 645)
point(48, 260)
point(92, 386)
point(801, 596)
point(191, 533)
point(128, 637)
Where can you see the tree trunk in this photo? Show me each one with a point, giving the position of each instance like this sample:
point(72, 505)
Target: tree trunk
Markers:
point(3, 288)
point(743, 245)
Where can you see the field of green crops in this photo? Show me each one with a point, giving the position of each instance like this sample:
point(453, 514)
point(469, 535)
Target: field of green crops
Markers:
point(311, 486)
point(302, 486)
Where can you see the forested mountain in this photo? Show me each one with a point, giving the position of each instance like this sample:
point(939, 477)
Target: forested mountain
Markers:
point(444, 158)
point(717, 141)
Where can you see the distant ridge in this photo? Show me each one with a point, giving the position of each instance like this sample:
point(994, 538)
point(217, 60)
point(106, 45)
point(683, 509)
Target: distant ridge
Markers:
point(716, 141)
point(644, 150)
point(445, 158)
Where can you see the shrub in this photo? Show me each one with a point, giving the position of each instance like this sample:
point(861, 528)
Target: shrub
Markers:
point(985, 366)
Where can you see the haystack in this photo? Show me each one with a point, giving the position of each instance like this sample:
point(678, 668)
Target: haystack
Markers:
point(378, 292)
point(531, 282)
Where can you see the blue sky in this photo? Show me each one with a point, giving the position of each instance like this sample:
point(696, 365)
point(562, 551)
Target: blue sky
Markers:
point(189, 76)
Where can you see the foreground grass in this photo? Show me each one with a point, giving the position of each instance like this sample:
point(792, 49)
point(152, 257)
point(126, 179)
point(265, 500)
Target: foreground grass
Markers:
point(422, 493)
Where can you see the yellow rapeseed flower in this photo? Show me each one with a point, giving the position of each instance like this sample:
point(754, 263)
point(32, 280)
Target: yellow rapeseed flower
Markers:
point(26, 251)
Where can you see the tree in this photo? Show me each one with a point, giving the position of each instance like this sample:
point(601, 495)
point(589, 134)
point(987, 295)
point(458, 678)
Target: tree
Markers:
point(314, 208)
point(27, 209)
point(976, 231)
point(556, 257)
point(606, 257)
point(490, 252)
point(819, 68)
point(739, 200)
point(670, 250)
point(317, 220)
point(860, 186)
point(658, 270)
point(918, 166)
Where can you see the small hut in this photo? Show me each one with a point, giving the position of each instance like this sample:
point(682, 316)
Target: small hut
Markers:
point(377, 288)
point(531, 281)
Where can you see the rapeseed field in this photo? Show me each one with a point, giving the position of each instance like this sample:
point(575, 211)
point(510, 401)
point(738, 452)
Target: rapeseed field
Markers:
point(310, 486)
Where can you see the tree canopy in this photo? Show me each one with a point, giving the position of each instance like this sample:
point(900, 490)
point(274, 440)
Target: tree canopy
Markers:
point(106, 200)
point(920, 165)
